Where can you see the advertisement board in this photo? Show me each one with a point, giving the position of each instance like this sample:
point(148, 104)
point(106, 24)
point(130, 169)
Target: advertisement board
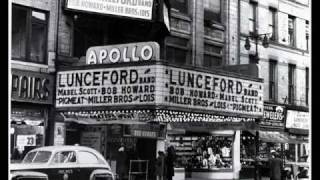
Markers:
point(91, 139)
point(59, 133)
point(298, 120)
point(140, 9)
point(273, 116)
point(161, 85)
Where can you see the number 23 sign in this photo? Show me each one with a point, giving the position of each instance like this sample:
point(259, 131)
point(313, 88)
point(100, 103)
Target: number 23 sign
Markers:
point(26, 140)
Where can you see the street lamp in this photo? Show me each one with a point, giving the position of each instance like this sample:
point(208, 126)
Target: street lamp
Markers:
point(256, 37)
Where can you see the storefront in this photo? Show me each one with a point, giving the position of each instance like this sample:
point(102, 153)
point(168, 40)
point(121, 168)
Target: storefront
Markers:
point(124, 98)
point(31, 101)
point(298, 125)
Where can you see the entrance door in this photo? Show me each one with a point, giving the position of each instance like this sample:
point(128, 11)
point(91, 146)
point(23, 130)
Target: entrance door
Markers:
point(146, 149)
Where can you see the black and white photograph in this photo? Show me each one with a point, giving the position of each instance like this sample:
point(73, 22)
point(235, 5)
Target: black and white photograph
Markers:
point(159, 90)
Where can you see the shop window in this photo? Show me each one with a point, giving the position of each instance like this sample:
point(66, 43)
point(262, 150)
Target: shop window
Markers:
point(272, 80)
point(177, 50)
point(291, 83)
point(290, 152)
point(272, 23)
point(180, 5)
point(212, 56)
point(303, 153)
point(212, 12)
point(291, 31)
point(202, 151)
point(29, 35)
point(252, 17)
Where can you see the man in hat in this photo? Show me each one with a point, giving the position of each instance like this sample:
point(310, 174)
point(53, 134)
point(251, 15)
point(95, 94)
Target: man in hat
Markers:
point(276, 166)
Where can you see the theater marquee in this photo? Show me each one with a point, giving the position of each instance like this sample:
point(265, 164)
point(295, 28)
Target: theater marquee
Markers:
point(159, 85)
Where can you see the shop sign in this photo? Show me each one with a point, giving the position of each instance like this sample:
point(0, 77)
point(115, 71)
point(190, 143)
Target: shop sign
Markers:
point(140, 9)
point(131, 52)
point(159, 85)
point(145, 131)
point(298, 120)
point(273, 115)
point(91, 139)
point(59, 133)
point(31, 87)
point(26, 140)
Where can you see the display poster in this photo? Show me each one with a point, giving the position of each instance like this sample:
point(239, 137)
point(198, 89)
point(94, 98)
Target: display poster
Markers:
point(59, 134)
point(159, 85)
point(91, 139)
point(298, 120)
point(31, 87)
point(26, 140)
point(273, 116)
point(140, 9)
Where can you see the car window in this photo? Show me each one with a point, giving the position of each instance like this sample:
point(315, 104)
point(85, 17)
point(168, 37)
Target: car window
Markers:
point(37, 157)
point(87, 158)
point(29, 157)
point(64, 157)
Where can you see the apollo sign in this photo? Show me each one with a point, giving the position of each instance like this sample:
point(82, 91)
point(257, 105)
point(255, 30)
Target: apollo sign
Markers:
point(123, 53)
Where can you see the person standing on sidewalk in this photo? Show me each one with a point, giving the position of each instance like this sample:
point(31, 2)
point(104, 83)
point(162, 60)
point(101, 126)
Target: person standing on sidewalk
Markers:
point(160, 166)
point(170, 162)
point(276, 166)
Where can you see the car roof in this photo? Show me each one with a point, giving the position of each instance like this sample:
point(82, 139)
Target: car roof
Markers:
point(64, 147)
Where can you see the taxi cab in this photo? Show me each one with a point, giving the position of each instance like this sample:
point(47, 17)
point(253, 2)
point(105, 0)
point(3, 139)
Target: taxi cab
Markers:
point(62, 163)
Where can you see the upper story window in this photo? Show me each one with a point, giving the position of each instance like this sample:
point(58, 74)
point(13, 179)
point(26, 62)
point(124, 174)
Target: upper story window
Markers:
point(272, 80)
point(212, 11)
point(252, 17)
point(291, 30)
point(177, 50)
point(29, 35)
point(212, 55)
point(307, 35)
point(180, 5)
point(272, 23)
point(291, 83)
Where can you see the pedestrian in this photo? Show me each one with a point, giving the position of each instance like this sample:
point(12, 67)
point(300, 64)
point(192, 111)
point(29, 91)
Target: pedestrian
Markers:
point(276, 166)
point(160, 166)
point(170, 162)
point(121, 163)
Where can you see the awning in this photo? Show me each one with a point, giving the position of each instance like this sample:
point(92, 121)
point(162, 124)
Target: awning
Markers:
point(278, 137)
point(98, 121)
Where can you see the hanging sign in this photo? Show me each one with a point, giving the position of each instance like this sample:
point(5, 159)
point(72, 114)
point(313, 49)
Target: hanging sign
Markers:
point(273, 116)
point(140, 9)
point(298, 120)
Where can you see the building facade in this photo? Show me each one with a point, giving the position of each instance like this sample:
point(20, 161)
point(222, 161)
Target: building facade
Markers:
point(198, 89)
point(33, 48)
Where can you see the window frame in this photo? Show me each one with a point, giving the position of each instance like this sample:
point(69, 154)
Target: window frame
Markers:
point(182, 11)
point(29, 22)
point(293, 30)
point(274, 36)
point(254, 19)
point(213, 54)
point(291, 83)
point(272, 80)
point(59, 152)
point(214, 21)
point(176, 45)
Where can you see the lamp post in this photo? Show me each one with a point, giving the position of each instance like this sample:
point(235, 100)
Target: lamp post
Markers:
point(265, 43)
point(256, 37)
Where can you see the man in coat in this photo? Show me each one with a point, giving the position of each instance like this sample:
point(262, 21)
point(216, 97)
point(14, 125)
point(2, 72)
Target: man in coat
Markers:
point(276, 166)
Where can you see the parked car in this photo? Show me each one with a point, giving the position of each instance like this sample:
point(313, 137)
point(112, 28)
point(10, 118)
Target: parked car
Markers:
point(62, 163)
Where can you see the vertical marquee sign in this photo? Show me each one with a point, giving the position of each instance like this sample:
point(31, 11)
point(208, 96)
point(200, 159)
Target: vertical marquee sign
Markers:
point(140, 9)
